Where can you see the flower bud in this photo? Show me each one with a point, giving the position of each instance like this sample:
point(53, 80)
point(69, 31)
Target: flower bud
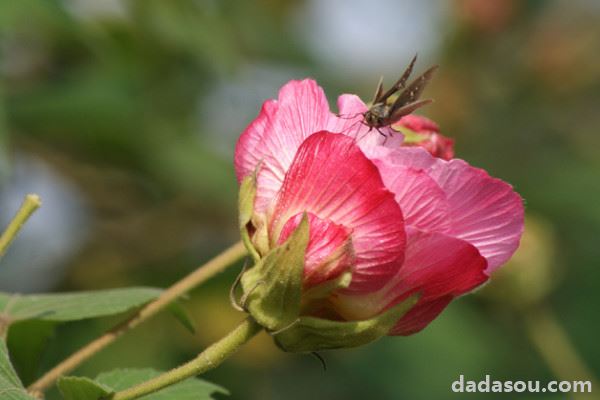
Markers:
point(422, 132)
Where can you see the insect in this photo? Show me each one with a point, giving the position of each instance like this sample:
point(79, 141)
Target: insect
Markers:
point(385, 110)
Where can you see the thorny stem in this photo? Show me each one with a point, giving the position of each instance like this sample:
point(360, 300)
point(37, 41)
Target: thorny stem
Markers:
point(203, 273)
point(207, 360)
point(31, 203)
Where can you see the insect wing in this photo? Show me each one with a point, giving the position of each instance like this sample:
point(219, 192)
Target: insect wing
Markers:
point(400, 82)
point(407, 109)
point(378, 91)
point(412, 93)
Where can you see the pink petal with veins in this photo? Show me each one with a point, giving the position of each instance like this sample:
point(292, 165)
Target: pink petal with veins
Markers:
point(332, 179)
point(329, 252)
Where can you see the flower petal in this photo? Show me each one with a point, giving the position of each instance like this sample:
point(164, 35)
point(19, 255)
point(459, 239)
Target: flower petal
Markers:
point(351, 105)
point(413, 157)
point(350, 116)
point(332, 179)
point(420, 316)
point(485, 211)
point(247, 151)
point(422, 201)
point(441, 268)
point(273, 138)
point(418, 124)
point(329, 251)
point(435, 265)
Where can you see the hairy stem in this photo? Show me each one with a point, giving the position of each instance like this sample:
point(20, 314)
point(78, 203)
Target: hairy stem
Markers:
point(31, 203)
point(207, 360)
point(203, 273)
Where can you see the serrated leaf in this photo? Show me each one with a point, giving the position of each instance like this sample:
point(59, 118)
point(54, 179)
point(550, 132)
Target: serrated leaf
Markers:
point(62, 307)
point(73, 388)
point(10, 385)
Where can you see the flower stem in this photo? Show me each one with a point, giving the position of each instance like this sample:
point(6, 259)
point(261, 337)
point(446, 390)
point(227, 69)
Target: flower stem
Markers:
point(203, 273)
point(207, 360)
point(557, 350)
point(31, 203)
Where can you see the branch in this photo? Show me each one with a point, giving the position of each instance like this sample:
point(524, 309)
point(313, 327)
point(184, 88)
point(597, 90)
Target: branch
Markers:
point(203, 273)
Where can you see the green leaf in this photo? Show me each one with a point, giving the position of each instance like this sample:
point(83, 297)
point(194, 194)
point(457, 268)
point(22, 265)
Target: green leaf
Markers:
point(6, 370)
point(26, 341)
point(79, 388)
point(73, 306)
point(182, 316)
point(42, 311)
point(190, 389)
point(45, 310)
point(74, 388)
point(10, 385)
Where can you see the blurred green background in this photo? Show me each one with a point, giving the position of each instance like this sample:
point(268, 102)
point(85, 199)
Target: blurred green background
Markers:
point(123, 116)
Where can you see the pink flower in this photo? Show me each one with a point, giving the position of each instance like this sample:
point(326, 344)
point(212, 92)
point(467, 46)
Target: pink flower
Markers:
point(397, 218)
point(426, 134)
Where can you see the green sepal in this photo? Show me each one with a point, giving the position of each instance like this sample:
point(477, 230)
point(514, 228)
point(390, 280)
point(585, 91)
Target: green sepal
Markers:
point(273, 286)
point(324, 289)
point(246, 198)
point(410, 136)
point(310, 334)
